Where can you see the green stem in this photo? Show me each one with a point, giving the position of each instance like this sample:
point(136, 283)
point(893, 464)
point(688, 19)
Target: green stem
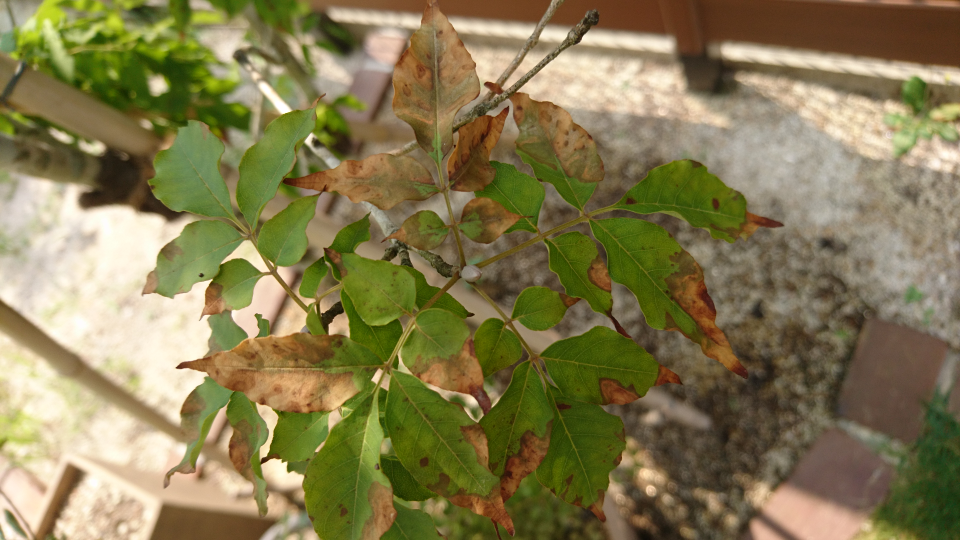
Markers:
point(388, 365)
point(445, 189)
point(329, 291)
point(538, 238)
point(276, 275)
point(445, 288)
point(508, 321)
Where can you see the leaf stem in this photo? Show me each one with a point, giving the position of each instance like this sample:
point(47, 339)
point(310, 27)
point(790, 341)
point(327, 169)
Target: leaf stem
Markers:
point(453, 222)
point(508, 321)
point(445, 288)
point(328, 292)
point(276, 275)
point(538, 238)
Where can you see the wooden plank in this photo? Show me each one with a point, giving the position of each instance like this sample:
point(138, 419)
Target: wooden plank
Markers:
point(682, 19)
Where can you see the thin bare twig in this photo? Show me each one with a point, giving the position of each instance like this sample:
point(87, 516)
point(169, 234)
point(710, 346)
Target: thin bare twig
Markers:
point(591, 19)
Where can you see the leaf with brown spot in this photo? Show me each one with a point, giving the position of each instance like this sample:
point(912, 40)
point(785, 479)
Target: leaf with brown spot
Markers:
point(249, 434)
point(469, 166)
point(232, 289)
point(586, 444)
point(196, 417)
point(423, 424)
point(411, 525)
point(540, 308)
point(383, 180)
point(601, 366)
point(296, 373)
point(434, 78)
point(517, 192)
point(440, 352)
point(346, 494)
point(192, 257)
point(686, 190)
point(518, 429)
point(423, 230)
point(576, 261)
point(667, 282)
point(665, 376)
point(381, 291)
point(483, 220)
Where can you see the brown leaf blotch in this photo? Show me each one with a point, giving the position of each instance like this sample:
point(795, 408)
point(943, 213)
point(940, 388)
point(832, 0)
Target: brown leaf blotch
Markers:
point(568, 300)
point(151, 284)
point(469, 166)
point(424, 461)
point(531, 453)
point(380, 498)
point(460, 373)
point(213, 302)
point(665, 376)
point(599, 275)
point(475, 435)
point(597, 507)
point(493, 87)
point(614, 393)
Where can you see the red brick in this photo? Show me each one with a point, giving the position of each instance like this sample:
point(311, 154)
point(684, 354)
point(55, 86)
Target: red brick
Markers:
point(829, 495)
point(892, 374)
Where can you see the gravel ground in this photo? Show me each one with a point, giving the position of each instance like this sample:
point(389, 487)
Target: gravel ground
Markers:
point(860, 229)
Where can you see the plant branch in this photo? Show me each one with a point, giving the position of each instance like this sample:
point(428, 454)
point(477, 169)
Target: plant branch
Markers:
point(532, 241)
point(508, 321)
point(276, 275)
point(591, 19)
point(329, 315)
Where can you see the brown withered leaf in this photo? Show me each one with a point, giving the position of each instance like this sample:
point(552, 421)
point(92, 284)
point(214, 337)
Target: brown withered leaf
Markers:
point(383, 180)
point(296, 373)
point(469, 166)
point(484, 220)
point(665, 376)
point(434, 78)
point(549, 136)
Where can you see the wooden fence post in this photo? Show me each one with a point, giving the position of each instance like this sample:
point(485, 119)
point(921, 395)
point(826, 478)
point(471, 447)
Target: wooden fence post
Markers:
point(682, 19)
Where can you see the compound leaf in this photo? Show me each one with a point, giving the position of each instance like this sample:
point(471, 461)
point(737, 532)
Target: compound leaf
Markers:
point(423, 230)
point(686, 190)
point(383, 180)
point(232, 289)
point(517, 192)
point(351, 236)
point(381, 291)
point(188, 174)
point(297, 435)
point(411, 525)
point(667, 282)
point(249, 434)
point(484, 220)
point(539, 308)
point(295, 373)
point(346, 494)
point(469, 166)
point(264, 164)
point(283, 238)
point(425, 292)
point(497, 347)
point(379, 339)
point(601, 366)
point(404, 484)
point(439, 352)
point(196, 417)
point(443, 448)
point(192, 257)
point(518, 429)
point(434, 78)
point(585, 446)
point(576, 261)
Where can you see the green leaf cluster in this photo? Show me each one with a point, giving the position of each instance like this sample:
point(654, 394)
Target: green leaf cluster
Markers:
point(924, 122)
point(399, 438)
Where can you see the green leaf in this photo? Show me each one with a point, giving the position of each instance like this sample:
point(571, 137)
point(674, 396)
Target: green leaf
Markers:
point(517, 192)
point(439, 353)
point(249, 434)
point(297, 435)
point(685, 189)
point(585, 446)
point(379, 339)
point(484, 220)
point(947, 112)
point(314, 324)
point(903, 141)
point(59, 57)
point(263, 326)
point(283, 239)
point(352, 236)
point(914, 94)
point(381, 291)
point(425, 292)
point(232, 7)
point(423, 230)
point(434, 78)
point(383, 180)
point(192, 257)
point(518, 429)
point(180, 9)
point(601, 366)
point(895, 120)
point(667, 282)
point(196, 417)
point(468, 168)
point(188, 174)
point(312, 277)
point(224, 333)
point(232, 289)
point(404, 484)
point(13, 523)
point(575, 192)
point(295, 373)
point(539, 308)
point(8, 41)
point(497, 347)
point(583, 274)
point(443, 448)
point(947, 132)
point(346, 494)
point(265, 164)
point(411, 525)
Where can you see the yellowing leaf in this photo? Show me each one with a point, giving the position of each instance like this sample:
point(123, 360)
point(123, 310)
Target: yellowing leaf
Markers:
point(667, 282)
point(434, 78)
point(469, 166)
point(296, 373)
point(423, 230)
point(383, 180)
point(484, 220)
